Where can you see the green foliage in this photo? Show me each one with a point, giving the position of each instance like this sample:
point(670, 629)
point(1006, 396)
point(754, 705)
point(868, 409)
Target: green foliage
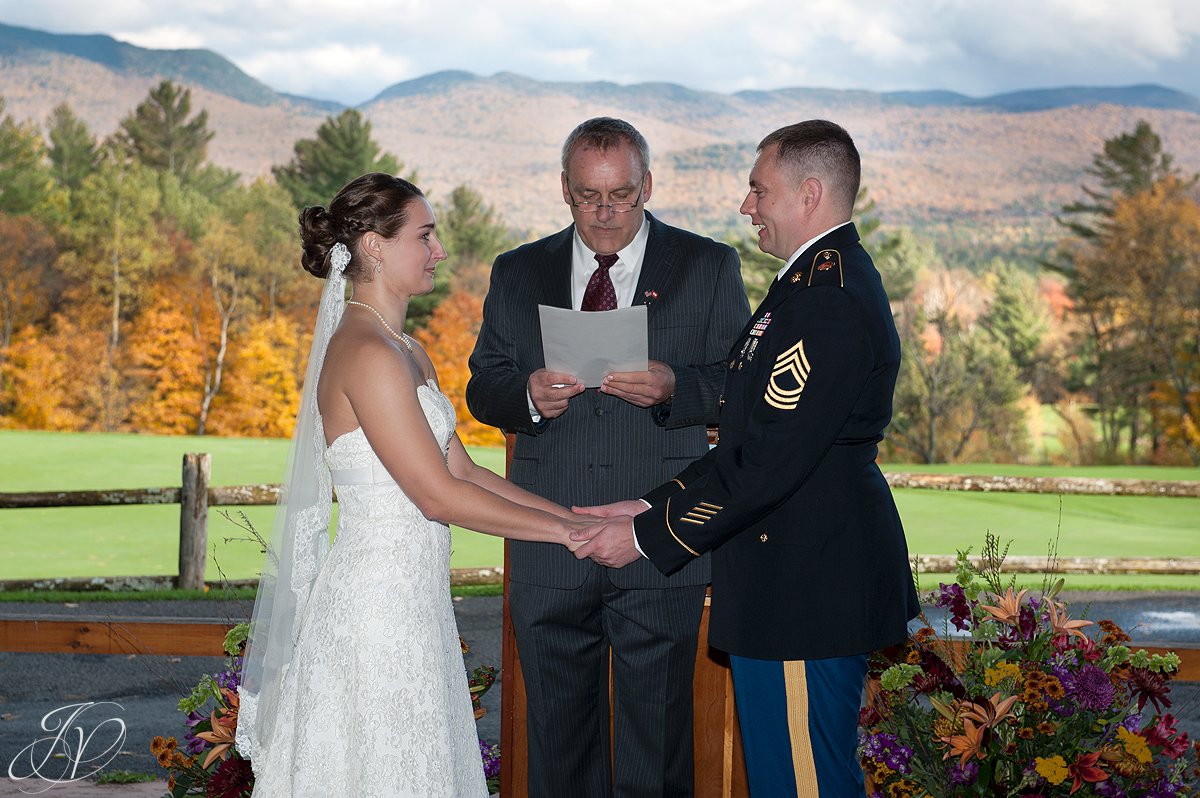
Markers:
point(758, 268)
point(25, 183)
point(1017, 318)
point(159, 135)
point(1127, 164)
point(124, 777)
point(74, 152)
point(342, 150)
point(955, 384)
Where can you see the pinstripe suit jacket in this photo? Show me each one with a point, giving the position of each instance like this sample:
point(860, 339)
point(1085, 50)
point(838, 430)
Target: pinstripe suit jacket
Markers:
point(603, 449)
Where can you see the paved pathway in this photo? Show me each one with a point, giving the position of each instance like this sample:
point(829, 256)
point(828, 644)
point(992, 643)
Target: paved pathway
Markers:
point(145, 690)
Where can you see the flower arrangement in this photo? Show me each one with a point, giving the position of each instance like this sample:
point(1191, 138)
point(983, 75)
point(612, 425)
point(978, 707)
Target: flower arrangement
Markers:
point(209, 762)
point(1029, 705)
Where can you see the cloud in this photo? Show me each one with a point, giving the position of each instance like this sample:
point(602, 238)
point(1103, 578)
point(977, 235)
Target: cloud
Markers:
point(350, 53)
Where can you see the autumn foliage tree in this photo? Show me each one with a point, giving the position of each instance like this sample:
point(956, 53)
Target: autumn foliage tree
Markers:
point(449, 339)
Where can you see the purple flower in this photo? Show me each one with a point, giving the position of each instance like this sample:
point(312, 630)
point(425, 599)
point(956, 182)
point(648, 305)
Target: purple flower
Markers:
point(193, 718)
point(1109, 789)
point(888, 750)
point(491, 759)
point(964, 775)
point(1091, 687)
point(1163, 789)
point(953, 598)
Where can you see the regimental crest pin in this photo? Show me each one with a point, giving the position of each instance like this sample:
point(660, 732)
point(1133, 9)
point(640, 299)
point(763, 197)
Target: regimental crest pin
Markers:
point(788, 378)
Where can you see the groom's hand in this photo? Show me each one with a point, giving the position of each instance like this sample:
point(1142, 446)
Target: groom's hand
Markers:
point(551, 391)
point(629, 507)
point(609, 543)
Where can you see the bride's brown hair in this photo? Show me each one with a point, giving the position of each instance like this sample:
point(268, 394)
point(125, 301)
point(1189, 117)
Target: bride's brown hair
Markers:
point(373, 203)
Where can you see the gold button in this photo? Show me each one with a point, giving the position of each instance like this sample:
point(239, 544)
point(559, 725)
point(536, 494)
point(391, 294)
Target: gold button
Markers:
point(763, 537)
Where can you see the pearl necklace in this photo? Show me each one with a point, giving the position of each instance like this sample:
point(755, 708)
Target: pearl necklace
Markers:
point(401, 337)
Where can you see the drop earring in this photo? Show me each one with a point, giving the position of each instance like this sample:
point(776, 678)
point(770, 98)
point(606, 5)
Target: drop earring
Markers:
point(378, 266)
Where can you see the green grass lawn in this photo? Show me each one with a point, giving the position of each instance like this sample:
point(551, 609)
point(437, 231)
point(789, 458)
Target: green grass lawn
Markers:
point(129, 541)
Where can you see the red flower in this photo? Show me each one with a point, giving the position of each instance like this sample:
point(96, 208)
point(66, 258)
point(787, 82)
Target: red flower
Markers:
point(1163, 733)
point(1149, 686)
point(1084, 770)
point(233, 778)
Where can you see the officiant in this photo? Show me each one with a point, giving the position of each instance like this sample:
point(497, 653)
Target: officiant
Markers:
point(581, 446)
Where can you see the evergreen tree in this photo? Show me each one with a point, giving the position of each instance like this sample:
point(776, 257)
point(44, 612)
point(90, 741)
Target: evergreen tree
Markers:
point(341, 151)
point(25, 183)
point(1127, 164)
point(158, 134)
point(74, 152)
point(1017, 319)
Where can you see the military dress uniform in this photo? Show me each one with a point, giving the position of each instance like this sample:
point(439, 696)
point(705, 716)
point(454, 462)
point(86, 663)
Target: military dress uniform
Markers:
point(809, 563)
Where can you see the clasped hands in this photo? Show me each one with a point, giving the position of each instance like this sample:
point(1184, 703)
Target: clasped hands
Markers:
point(551, 391)
point(608, 539)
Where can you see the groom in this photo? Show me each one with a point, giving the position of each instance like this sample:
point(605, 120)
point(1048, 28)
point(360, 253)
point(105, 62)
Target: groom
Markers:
point(577, 446)
point(810, 567)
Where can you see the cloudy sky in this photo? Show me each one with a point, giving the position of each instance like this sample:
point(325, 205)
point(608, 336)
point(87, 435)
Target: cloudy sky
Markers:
point(349, 50)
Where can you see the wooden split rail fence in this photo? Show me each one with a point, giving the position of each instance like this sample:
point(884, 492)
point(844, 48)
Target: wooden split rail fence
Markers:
point(195, 495)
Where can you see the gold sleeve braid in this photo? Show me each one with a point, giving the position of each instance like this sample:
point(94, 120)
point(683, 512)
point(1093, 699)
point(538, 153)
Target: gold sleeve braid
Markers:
point(667, 517)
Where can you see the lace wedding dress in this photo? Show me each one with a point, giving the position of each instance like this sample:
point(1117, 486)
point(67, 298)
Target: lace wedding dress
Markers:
point(375, 700)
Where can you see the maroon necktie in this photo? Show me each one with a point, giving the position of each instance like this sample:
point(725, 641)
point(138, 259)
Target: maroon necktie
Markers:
point(600, 294)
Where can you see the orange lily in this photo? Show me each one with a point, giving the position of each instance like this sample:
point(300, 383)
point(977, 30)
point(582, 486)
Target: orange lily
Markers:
point(989, 711)
point(1084, 770)
point(224, 728)
point(1063, 625)
point(1009, 609)
point(966, 745)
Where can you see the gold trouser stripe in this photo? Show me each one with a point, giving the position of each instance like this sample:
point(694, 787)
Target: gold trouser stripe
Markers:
point(796, 688)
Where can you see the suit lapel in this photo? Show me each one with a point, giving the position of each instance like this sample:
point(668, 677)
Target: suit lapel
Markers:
point(658, 264)
point(555, 270)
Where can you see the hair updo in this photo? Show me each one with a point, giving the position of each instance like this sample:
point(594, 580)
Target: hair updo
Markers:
point(372, 203)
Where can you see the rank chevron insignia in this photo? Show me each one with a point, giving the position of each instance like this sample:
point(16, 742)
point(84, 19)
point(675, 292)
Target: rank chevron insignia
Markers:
point(793, 364)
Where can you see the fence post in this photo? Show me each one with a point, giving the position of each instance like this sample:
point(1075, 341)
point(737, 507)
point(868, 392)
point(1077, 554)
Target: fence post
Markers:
point(193, 520)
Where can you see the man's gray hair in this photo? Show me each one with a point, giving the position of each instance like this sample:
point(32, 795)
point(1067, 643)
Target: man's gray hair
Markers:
point(603, 133)
point(819, 146)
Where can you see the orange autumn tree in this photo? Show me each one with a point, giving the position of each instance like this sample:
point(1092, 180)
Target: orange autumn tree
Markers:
point(261, 395)
point(449, 338)
point(167, 368)
point(53, 380)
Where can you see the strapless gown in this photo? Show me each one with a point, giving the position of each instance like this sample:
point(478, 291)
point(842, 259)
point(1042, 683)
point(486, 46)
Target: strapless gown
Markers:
point(375, 701)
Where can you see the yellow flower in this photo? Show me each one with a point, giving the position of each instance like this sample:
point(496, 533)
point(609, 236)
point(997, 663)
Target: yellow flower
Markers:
point(1000, 672)
point(157, 744)
point(1053, 770)
point(1135, 744)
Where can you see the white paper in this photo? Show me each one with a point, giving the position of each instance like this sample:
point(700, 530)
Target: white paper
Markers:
point(590, 344)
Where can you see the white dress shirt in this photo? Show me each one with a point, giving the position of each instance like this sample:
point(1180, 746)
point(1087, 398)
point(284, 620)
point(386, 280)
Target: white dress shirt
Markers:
point(624, 275)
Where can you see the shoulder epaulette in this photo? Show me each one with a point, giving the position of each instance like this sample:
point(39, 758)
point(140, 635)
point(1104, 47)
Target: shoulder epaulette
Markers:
point(826, 269)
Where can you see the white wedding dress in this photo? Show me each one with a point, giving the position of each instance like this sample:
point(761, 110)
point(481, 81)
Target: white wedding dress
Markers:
point(375, 701)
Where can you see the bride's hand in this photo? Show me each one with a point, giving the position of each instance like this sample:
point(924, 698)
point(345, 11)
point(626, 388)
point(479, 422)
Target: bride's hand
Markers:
point(579, 523)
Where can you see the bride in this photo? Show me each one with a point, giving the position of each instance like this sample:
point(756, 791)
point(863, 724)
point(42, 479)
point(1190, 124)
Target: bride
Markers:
point(353, 681)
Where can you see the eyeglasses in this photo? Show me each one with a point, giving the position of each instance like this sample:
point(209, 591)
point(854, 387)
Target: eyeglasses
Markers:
point(614, 207)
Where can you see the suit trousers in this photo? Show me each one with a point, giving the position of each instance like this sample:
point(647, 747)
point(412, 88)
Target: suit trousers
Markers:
point(565, 638)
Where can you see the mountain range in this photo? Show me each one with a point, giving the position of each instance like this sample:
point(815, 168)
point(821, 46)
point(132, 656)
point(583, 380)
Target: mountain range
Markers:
point(981, 174)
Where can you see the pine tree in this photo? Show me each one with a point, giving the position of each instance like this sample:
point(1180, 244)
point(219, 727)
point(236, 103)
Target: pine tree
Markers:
point(25, 183)
point(341, 151)
point(74, 152)
point(159, 135)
